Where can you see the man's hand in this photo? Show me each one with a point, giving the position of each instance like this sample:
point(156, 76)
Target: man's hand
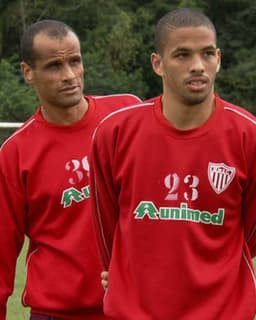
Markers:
point(104, 279)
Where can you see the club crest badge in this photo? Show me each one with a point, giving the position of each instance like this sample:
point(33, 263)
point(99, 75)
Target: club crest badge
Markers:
point(220, 176)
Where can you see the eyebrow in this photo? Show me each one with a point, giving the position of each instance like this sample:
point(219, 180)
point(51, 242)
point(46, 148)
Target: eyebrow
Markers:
point(59, 59)
point(211, 47)
point(185, 49)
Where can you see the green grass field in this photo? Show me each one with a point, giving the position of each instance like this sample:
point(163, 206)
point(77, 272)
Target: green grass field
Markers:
point(15, 310)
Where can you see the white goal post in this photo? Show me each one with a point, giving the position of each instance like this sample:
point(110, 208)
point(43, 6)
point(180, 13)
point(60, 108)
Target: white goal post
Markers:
point(7, 129)
point(10, 124)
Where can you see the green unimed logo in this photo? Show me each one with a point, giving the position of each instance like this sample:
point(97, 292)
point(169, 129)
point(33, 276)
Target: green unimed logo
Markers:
point(71, 195)
point(148, 209)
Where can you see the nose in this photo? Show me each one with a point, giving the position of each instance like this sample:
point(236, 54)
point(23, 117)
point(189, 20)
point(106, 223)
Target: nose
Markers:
point(197, 65)
point(68, 73)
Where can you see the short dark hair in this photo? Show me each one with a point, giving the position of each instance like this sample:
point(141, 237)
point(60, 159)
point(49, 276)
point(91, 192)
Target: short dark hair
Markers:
point(180, 18)
point(52, 28)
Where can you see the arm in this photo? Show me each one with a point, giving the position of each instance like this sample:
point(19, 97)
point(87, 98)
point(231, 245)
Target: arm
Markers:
point(249, 209)
point(11, 231)
point(249, 203)
point(103, 193)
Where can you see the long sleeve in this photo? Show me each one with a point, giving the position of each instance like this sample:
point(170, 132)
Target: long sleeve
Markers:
point(249, 207)
point(46, 197)
point(185, 203)
point(104, 198)
point(12, 208)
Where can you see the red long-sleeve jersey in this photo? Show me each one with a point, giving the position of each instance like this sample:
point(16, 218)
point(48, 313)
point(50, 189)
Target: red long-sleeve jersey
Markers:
point(175, 214)
point(44, 187)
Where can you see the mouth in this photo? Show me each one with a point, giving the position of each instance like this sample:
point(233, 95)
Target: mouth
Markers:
point(70, 89)
point(196, 84)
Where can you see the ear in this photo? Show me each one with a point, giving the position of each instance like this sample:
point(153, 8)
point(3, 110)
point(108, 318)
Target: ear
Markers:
point(156, 61)
point(27, 72)
point(219, 60)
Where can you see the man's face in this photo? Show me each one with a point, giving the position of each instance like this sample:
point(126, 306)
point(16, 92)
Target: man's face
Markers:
point(188, 64)
point(58, 73)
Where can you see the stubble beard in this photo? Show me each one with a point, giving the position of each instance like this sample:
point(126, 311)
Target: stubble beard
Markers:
point(194, 99)
point(69, 101)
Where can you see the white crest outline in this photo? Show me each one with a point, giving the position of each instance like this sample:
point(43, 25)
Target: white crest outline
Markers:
point(220, 176)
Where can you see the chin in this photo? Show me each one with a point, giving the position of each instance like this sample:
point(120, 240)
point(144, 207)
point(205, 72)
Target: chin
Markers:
point(195, 100)
point(71, 101)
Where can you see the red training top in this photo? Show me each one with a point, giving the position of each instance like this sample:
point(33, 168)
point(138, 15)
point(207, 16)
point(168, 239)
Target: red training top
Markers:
point(44, 187)
point(175, 214)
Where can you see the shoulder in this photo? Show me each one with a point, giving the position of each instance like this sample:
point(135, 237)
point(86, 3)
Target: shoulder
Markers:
point(17, 137)
point(101, 106)
point(125, 119)
point(238, 114)
point(133, 111)
point(116, 100)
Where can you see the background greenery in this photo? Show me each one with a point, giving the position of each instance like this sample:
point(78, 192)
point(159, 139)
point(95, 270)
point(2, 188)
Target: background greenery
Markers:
point(15, 310)
point(117, 39)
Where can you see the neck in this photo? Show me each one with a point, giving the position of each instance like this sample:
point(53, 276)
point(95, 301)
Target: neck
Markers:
point(185, 117)
point(65, 115)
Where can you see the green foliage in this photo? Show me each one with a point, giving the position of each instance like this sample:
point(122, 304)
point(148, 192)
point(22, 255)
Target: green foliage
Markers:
point(242, 76)
point(235, 24)
point(192, 4)
point(102, 78)
point(18, 100)
point(117, 40)
point(3, 4)
point(111, 60)
point(15, 310)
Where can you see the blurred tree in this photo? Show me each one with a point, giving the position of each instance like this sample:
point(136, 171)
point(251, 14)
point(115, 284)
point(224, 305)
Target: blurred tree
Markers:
point(117, 40)
point(237, 84)
point(235, 24)
point(18, 100)
point(111, 59)
point(3, 4)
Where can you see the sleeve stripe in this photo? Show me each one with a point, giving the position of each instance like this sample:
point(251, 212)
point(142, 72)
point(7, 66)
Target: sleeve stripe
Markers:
point(18, 131)
point(250, 268)
point(119, 111)
point(100, 222)
point(241, 114)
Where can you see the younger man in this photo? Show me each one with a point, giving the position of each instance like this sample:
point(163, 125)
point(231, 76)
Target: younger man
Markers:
point(174, 189)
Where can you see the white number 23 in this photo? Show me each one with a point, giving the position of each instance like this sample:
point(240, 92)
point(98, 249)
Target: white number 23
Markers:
point(172, 183)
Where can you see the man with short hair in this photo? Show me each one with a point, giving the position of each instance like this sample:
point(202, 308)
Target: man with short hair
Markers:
point(44, 182)
point(174, 197)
